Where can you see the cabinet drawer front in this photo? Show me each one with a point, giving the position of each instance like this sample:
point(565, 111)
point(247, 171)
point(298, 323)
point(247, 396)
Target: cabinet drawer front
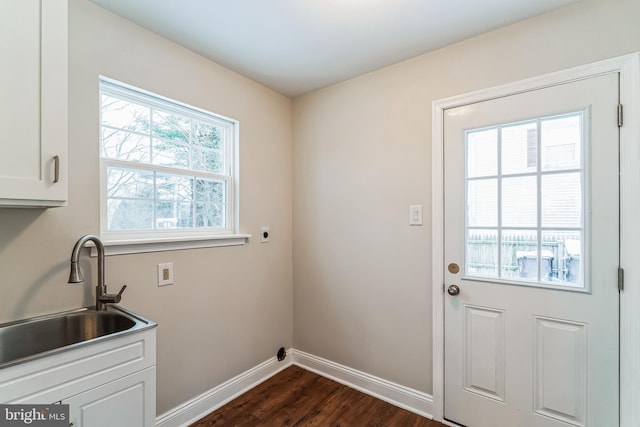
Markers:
point(56, 377)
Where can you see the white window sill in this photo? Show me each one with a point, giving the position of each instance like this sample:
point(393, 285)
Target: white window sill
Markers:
point(137, 246)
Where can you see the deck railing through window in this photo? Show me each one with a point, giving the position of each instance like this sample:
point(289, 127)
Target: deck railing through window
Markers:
point(560, 259)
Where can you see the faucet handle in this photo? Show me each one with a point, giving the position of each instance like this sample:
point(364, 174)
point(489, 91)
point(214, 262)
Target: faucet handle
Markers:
point(112, 298)
point(117, 297)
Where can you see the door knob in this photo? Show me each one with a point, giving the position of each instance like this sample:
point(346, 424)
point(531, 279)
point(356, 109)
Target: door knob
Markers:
point(453, 290)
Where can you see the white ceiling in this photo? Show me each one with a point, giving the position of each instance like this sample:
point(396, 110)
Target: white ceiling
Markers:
point(296, 46)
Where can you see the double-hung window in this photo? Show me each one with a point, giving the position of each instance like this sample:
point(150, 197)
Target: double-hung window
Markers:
point(167, 169)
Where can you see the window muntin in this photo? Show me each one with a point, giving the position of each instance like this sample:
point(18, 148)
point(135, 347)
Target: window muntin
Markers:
point(525, 202)
point(167, 168)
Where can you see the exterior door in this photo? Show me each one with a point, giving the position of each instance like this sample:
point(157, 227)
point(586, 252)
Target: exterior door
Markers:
point(531, 250)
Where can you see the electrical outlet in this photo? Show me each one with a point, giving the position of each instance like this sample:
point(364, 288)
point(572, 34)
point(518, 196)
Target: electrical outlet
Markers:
point(165, 274)
point(265, 235)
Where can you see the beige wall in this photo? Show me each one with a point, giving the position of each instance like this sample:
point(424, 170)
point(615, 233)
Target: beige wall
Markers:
point(230, 308)
point(362, 155)
point(361, 275)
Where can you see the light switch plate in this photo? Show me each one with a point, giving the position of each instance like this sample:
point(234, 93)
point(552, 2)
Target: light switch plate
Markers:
point(415, 215)
point(165, 274)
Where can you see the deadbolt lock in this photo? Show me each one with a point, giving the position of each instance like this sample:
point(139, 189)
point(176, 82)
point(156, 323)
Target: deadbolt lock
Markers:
point(453, 268)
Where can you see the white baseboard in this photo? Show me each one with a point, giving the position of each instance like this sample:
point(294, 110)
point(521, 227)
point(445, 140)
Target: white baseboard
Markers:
point(209, 401)
point(404, 397)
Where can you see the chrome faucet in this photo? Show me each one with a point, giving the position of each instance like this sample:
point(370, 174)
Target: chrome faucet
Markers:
point(102, 297)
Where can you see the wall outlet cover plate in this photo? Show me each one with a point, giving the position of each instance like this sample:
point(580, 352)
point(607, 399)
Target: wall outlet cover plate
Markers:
point(165, 274)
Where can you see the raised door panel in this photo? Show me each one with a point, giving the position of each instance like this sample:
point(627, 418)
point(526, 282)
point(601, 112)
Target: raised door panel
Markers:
point(20, 88)
point(484, 352)
point(127, 402)
point(560, 370)
point(33, 102)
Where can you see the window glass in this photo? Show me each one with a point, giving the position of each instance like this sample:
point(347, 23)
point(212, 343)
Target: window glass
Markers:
point(519, 145)
point(482, 146)
point(561, 142)
point(526, 213)
point(482, 252)
point(167, 167)
point(519, 201)
point(562, 200)
point(482, 203)
point(519, 254)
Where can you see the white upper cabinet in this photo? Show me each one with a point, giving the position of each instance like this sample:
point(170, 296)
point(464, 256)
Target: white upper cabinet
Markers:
point(33, 103)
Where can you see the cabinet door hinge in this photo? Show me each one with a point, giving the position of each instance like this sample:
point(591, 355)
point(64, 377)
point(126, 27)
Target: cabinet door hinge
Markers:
point(620, 279)
point(619, 115)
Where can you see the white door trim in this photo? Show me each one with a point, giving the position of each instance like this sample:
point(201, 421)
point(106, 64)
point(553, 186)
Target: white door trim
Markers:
point(629, 68)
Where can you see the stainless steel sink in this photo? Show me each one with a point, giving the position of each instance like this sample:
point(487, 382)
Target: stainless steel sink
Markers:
point(32, 338)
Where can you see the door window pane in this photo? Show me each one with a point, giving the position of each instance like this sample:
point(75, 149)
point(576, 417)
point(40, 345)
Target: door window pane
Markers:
point(482, 203)
point(519, 254)
point(482, 253)
point(520, 202)
point(519, 148)
point(566, 247)
point(482, 153)
point(525, 212)
point(561, 142)
point(562, 200)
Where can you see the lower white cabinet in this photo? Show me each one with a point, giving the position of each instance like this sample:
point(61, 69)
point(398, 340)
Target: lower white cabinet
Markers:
point(108, 383)
point(127, 402)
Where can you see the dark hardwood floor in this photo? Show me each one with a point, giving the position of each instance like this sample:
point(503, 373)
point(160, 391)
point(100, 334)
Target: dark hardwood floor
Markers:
point(296, 397)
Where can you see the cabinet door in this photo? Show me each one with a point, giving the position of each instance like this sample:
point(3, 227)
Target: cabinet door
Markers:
point(127, 402)
point(33, 102)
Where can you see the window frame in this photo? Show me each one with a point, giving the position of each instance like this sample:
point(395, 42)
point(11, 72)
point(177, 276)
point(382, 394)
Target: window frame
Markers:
point(132, 241)
point(584, 169)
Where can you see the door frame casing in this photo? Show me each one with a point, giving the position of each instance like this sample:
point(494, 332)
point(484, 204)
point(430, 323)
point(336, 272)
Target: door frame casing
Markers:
point(629, 68)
